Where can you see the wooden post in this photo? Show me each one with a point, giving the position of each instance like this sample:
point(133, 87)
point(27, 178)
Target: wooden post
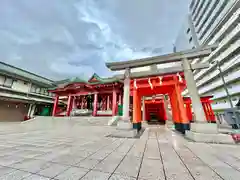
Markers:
point(137, 119)
point(108, 102)
point(69, 105)
point(206, 111)
point(95, 104)
point(174, 108)
point(55, 106)
point(184, 122)
point(189, 111)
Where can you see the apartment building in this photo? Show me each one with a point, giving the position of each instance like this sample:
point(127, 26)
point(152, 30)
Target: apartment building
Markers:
point(210, 22)
point(22, 93)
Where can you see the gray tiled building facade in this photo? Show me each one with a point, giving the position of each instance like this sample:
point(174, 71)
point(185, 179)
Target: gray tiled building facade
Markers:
point(209, 22)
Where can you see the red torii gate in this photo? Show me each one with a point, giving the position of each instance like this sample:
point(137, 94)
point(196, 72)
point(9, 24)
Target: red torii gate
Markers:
point(171, 85)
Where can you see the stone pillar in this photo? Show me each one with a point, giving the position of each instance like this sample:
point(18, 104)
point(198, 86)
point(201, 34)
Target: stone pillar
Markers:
point(201, 131)
point(193, 92)
point(125, 123)
point(29, 110)
point(33, 110)
point(126, 95)
point(95, 104)
point(55, 105)
point(114, 103)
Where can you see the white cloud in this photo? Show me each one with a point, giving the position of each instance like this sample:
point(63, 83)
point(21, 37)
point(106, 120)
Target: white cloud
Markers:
point(63, 38)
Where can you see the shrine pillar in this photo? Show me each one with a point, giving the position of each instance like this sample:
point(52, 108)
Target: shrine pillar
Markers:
point(108, 102)
point(55, 105)
point(137, 119)
point(211, 112)
point(200, 124)
point(69, 105)
point(189, 111)
point(120, 98)
point(125, 123)
point(183, 123)
point(193, 92)
point(174, 108)
point(126, 95)
point(143, 109)
point(95, 104)
point(206, 110)
point(114, 103)
point(74, 103)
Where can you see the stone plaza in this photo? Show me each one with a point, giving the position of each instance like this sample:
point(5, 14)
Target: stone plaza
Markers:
point(78, 148)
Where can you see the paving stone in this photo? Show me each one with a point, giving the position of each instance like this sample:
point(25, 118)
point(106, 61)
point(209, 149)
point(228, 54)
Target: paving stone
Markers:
point(223, 169)
point(138, 148)
point(100, 155)
point(26, 145)
point(198, 169)
point(36, 177)
point(152, 151)
point(173, 166)
point(87, 163)
point(72, 173)
point(5, 170)
point(30, 165)
point(9, 160)
point(53, 170)
point(96, 175)
point(110, 163)
point(151, 169)
point(15, 175)
point(120, 177)
point(67, 159)
point(129, 166)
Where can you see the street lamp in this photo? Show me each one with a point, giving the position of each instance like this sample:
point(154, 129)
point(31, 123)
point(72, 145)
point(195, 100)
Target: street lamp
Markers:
point(224, 82)
point(234, 126)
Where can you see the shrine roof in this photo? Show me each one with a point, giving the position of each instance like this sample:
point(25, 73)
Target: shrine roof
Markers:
point(94, 80)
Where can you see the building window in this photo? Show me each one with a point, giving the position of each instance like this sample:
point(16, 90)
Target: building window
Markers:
point(25, 82)
point(8, 82)
point(188, 30)
point(33, 89)
point(190, 40)
point(38, 90)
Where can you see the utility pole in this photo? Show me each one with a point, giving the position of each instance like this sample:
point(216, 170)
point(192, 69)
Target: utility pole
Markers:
point(224, 84)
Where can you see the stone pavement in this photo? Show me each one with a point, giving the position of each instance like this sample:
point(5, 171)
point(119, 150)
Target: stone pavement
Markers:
point(77, 148)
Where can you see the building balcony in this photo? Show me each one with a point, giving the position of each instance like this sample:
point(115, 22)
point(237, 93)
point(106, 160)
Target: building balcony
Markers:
point(202, 12)
point(206, 16)
point(215, 72)
point(222, 57)
point(231, 77)
point(218, 19)
point(209, 24)
point(221, 105)
point(232, 20)
point(232, 91)
point(226, 29)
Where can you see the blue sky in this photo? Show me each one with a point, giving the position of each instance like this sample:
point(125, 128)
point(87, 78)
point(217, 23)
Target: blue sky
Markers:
point(66, 38)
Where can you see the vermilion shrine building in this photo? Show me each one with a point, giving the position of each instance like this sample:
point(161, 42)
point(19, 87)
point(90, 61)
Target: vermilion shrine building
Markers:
point(103, 95)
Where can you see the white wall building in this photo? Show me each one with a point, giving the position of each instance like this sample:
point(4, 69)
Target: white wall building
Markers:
point(22, 93)
point(210, 22)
